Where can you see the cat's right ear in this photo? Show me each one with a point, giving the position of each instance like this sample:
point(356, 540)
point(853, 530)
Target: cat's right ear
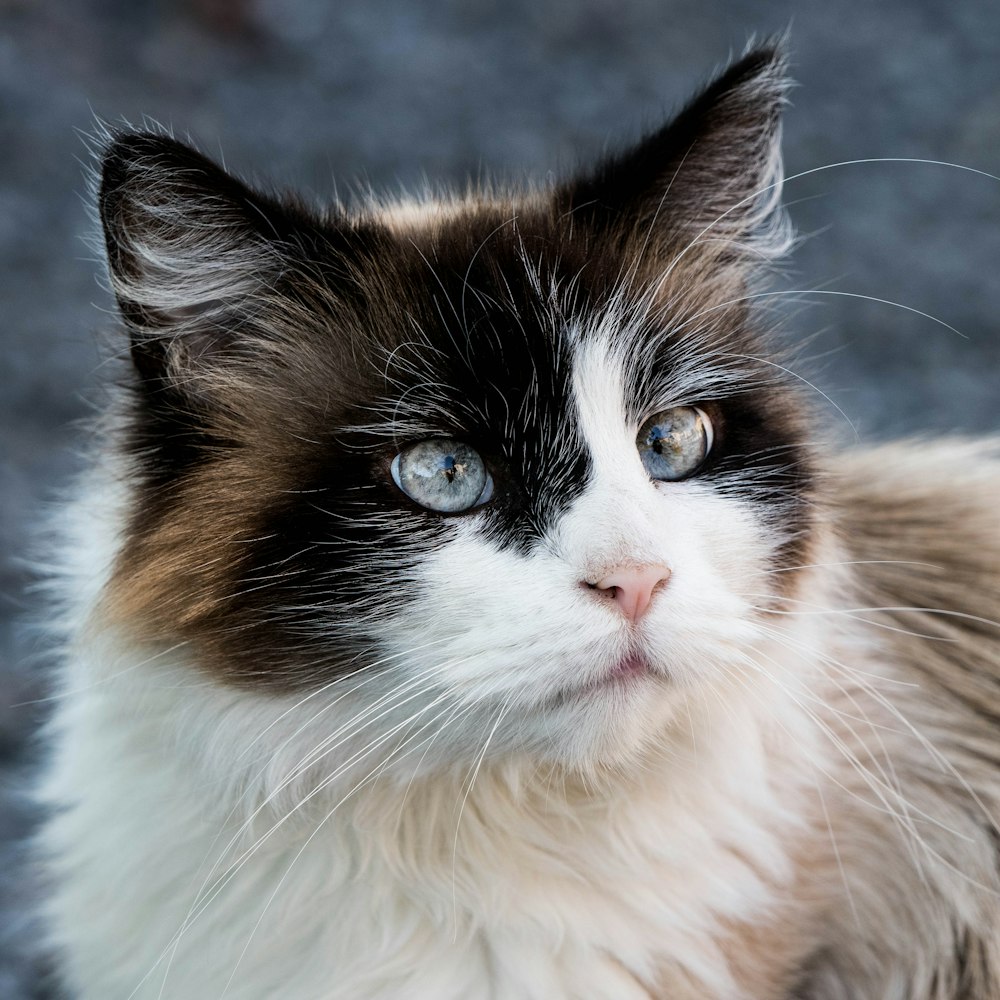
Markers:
point(191, 252)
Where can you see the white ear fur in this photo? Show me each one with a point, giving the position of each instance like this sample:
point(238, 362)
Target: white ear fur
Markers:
point(189, 249)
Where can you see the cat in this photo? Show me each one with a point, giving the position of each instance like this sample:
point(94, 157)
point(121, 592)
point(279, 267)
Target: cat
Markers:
point(462, 603)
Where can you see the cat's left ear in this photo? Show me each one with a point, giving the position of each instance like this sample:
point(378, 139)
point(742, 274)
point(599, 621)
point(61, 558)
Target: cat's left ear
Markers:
point(711, 175)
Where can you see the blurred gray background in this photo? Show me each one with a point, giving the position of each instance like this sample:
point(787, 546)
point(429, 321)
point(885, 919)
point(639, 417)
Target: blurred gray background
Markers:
point(309, 94)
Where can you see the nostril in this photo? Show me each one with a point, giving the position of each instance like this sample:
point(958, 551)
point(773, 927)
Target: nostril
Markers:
point(631, 587)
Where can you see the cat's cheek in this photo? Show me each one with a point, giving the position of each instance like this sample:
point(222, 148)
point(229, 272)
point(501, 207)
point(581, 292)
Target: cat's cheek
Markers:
point(721, 555)
point(496, 623)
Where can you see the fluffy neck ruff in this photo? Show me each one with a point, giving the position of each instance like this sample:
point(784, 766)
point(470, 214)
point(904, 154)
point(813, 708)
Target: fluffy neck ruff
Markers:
point(603, 880)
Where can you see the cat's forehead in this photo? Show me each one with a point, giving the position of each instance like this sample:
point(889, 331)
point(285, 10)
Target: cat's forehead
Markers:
point(480, 312)
point(525, 252)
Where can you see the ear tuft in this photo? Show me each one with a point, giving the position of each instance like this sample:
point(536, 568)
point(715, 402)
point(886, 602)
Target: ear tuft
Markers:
point(713, 173)
point(188, 246)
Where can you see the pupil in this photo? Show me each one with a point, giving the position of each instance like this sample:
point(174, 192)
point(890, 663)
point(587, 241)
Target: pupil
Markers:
point(450, 468)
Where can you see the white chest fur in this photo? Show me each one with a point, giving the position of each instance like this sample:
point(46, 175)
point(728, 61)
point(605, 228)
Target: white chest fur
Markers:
point(527, 886)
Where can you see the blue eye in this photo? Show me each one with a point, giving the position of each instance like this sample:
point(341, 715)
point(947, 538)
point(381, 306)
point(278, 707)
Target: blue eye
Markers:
point(442, 475)
point(673, 444)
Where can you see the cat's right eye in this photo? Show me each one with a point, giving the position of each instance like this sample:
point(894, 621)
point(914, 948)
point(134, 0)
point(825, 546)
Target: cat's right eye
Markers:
point(442, 475)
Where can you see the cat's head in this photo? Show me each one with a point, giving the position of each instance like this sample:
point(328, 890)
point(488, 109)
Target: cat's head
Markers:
point(507, 465)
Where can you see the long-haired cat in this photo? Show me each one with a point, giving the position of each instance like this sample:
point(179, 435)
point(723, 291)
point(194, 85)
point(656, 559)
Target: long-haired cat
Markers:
point(462, 604)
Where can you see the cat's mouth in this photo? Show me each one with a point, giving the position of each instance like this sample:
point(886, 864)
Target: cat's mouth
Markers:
point(603, 673)
point(630, 666)
point(626, 672)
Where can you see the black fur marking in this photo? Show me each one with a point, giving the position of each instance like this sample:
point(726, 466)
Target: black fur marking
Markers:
point(503, 367)
point(494, 376)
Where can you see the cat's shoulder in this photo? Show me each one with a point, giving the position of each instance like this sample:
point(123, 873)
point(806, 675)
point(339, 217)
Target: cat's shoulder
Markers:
point(920, 523)
point(924, 496)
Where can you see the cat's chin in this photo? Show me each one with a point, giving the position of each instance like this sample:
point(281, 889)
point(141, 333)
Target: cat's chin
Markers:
point(623, 676)
point(610, 719)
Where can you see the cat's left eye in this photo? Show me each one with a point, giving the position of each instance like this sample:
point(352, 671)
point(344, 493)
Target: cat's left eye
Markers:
point(673, 443)
point(442, 475)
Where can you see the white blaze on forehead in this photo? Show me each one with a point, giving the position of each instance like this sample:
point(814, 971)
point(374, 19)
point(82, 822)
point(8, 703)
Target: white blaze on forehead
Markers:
point(615, 521)
point(599, 390)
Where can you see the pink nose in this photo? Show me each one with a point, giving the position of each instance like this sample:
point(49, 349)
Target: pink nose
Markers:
point(632, 588)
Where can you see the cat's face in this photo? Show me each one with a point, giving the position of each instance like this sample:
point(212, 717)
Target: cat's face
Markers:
point(515, 468)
